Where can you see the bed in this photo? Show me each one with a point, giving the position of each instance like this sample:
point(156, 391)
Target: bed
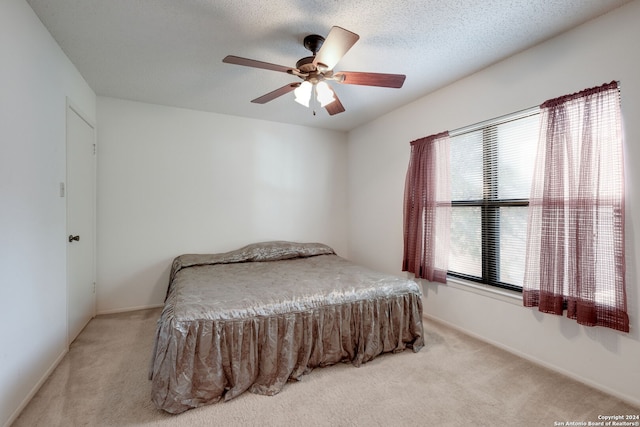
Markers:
point(254, 318)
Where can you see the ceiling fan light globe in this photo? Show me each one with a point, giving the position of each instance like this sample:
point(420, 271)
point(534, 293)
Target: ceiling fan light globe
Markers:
point(324, 94)
point(303, 93)
point(326, 101)
point(302, 101)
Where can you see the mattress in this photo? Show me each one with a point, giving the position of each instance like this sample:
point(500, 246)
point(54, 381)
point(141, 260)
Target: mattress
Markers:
point(268, 313)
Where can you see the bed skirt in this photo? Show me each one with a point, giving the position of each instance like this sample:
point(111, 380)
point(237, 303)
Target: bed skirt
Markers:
point(199, 362)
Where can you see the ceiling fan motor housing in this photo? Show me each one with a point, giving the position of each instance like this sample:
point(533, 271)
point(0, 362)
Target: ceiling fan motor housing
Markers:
point(312, 42)
point(306, 64)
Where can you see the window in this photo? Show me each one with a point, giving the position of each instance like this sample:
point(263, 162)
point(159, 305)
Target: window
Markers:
point(491, 167)
point(467, 211)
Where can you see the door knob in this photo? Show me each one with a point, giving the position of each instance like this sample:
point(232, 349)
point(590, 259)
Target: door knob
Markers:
point(72, 238)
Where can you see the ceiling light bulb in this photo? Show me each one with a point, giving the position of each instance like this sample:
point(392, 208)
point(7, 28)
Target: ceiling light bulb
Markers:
point(324, 94)
point(303, 93)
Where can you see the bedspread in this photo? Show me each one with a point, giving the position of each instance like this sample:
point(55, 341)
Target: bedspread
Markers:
point(268, 313)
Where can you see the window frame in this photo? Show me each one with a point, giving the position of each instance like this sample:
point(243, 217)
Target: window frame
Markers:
point(490, 204)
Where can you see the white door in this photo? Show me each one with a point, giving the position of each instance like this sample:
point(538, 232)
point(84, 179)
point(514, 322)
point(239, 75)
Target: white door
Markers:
point(81, 175)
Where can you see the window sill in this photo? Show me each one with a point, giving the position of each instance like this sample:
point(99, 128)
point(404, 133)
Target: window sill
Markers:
point(505, 295)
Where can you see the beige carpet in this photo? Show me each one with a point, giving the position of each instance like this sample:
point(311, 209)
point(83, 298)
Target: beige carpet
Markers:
point(454, 381)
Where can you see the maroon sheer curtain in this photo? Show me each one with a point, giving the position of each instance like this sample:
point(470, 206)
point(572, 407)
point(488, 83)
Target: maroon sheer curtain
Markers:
point(427, 209)
point(575, 240)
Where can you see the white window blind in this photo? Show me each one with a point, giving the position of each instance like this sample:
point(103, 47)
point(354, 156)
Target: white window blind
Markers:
point(491, 172)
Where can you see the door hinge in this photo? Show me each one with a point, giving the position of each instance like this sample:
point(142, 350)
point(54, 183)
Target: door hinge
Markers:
point(94, 287)
point(94, 149)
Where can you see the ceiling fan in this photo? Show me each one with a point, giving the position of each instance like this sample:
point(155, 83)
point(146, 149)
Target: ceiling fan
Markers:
point(316, 70)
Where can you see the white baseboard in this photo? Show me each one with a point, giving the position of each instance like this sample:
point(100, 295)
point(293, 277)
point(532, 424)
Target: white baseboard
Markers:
point(605, 389)
point(124, 310)
point(35, 389)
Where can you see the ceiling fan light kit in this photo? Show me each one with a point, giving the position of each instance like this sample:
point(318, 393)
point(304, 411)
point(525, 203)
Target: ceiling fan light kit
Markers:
point(303, 93)
point(317, 69)
point(324, 94)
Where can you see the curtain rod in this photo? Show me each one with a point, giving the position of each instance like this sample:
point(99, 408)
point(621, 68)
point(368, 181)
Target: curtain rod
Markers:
point(502, 119)
point(507, 117)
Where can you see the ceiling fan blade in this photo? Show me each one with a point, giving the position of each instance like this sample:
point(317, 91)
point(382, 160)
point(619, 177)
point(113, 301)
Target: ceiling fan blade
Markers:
point(335, 107)
point(230, 59)
point(276, 93)
point(337, 43)
point(370, 79)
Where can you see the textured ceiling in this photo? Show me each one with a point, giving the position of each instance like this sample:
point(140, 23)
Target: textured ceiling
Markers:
point(170, 52)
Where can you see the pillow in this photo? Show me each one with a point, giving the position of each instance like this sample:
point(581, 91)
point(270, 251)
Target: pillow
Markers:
point(256, 252)
point(279, 250)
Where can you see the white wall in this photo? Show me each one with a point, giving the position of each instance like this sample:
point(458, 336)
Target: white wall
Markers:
point(598, 52)
point(173, 181)
point(35, 80)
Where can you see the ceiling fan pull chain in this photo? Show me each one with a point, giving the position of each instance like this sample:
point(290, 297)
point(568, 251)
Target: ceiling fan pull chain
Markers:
point(314, 100)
